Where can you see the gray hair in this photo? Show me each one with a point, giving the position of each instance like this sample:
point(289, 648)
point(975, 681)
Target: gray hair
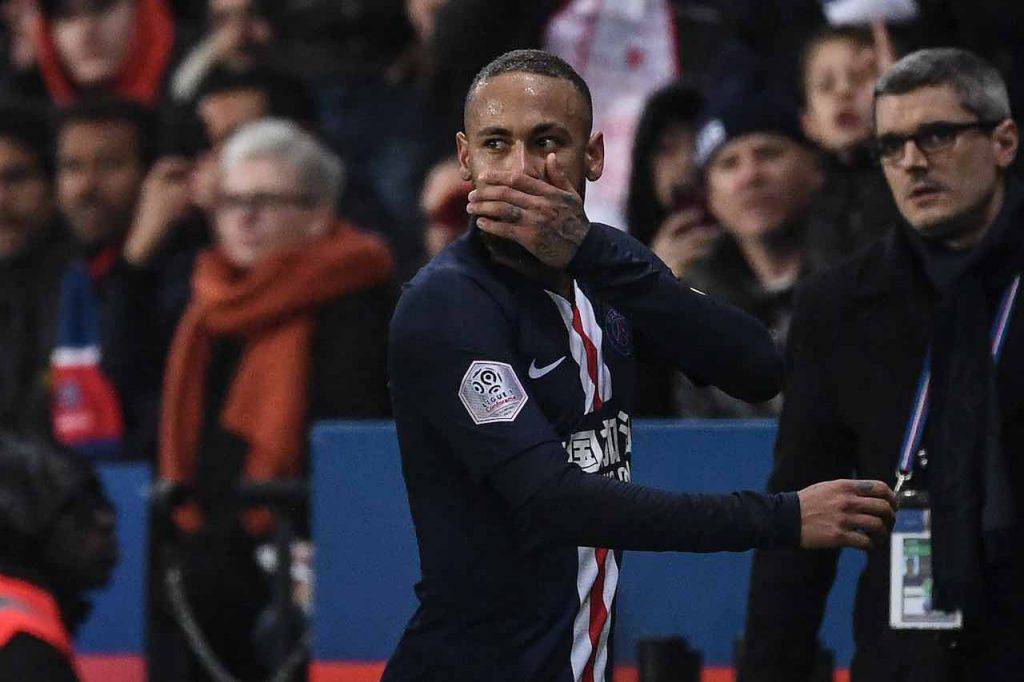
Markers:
point(321, 172)
point(978, 85)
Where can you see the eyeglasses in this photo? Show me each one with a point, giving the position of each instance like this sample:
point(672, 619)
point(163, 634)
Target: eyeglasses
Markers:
point(929, 138)
point(263, 201)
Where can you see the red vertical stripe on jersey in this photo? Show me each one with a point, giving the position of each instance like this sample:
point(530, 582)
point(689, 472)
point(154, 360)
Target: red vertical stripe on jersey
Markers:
point(598, 613)
point(592, 369)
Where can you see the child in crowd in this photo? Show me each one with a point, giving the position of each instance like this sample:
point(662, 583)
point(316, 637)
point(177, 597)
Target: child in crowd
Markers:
point(839, 69)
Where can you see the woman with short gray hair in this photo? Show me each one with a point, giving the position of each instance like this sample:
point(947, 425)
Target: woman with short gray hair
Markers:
point(286, 326)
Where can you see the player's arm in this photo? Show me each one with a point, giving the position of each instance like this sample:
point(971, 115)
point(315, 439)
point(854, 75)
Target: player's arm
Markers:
point(451, 349)
point(712, 343)
point(789, 587)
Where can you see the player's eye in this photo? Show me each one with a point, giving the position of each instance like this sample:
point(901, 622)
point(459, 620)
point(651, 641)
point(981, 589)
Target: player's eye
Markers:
point(495, 143)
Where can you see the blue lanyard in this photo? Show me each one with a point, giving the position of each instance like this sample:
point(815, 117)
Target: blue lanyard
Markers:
point(919, 415)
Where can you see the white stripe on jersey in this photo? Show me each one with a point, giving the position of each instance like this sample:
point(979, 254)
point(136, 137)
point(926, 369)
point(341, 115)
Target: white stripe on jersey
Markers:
point(592, 329)
point(579, 352)
point(585, 576)
point(611, 581)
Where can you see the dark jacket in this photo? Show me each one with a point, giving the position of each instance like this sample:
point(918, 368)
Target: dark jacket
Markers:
point(29, 291)
point(854, 208)
point(855, 352)
point(140, 308)
point(227, 590)
point(348, 382)
point(725, 275)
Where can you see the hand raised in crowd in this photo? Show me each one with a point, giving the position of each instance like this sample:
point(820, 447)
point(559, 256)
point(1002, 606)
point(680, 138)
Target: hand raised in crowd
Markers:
point(544, 216)
point(165, 198)
point(684, 238)
point(845, 514)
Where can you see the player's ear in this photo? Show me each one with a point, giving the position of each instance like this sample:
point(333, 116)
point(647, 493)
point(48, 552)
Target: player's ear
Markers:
point(462, 151)
point(595, 157)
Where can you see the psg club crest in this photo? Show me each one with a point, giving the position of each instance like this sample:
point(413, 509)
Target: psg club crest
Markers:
point(619, 332)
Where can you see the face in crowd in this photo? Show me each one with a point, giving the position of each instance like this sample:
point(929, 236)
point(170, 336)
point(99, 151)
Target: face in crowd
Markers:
point(422, 15)
point(673, 164)
point(759, 182)
point(100, 169)
point(945, 179)
point(243, 29)
point(25, 201)
point(264, 209)
point(92, 38)
point(839, 81)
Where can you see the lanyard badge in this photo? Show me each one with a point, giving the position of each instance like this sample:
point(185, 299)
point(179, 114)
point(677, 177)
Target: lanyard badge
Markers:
point(910, 565)
point(910, 569)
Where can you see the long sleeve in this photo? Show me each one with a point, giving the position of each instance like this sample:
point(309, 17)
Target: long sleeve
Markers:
point(789, 587)
point(140, 310)
point(709, 341)
point(575, 508)
point(434, 349)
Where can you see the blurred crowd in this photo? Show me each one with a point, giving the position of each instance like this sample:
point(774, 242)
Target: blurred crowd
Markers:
point(207, 208)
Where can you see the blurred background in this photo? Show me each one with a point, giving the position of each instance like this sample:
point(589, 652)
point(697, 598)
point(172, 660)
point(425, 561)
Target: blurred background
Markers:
point(144, 142)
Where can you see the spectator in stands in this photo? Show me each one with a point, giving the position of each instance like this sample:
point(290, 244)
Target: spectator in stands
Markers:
point(664, 206)
point(286, 326)
point(33, 251)
point(57, 541)
point(227, 99)
point(364, 61)
point(761, 175)
point(839, 71)
point(19, 75)
point(443, 202)
point(240, 35)
point(119, 48)
point(623, 50)
point(127, 281)
point(664, 211)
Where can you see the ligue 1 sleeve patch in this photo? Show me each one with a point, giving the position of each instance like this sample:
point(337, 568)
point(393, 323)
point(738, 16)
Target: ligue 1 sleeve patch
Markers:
point(491, 392)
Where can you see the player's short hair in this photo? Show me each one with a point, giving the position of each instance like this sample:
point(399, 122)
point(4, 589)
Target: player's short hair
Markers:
point(537, 62)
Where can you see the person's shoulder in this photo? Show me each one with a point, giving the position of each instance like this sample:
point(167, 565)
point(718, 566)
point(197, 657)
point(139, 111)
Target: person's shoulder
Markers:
point(455, 286)
point(26, 657)
point(836, 283)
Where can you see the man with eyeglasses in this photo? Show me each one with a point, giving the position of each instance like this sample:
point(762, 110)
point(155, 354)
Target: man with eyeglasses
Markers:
point(905, 364)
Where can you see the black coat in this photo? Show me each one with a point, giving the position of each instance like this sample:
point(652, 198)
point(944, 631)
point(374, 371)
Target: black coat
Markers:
point(29, 292)
point(854, 355)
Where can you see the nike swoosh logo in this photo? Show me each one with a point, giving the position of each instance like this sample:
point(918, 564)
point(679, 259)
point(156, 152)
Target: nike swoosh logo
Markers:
point(537, 372)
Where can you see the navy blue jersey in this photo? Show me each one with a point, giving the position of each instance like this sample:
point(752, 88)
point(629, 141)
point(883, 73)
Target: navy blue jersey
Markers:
point(513, 410)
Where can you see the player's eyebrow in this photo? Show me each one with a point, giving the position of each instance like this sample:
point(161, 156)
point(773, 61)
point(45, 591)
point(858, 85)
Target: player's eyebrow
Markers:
point(495, 130)
point(550, 127)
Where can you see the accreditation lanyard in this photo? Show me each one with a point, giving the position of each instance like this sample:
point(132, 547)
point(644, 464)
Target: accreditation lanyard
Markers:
point(919, 415)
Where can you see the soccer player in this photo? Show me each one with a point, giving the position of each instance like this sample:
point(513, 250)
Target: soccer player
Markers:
point(511, 365)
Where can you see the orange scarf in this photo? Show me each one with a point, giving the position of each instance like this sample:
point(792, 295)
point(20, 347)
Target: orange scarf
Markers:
point(272, 309)
point(146, 62)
